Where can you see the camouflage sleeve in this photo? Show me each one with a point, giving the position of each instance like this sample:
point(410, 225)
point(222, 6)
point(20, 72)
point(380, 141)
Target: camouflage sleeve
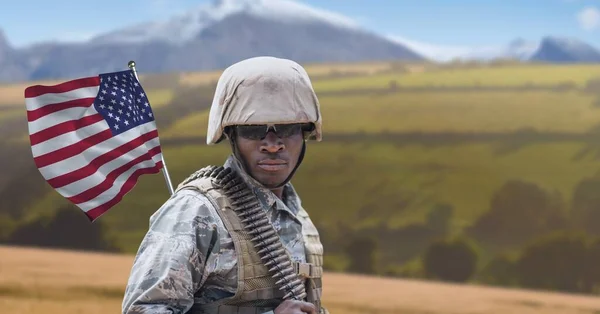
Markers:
point(169, 266)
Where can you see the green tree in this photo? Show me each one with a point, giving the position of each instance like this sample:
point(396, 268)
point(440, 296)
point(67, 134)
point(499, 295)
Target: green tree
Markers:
point(519, 211)
point(500, 271)
point(451, 260)
point(586, 205)
point(554, 262)
point(362, 252)
point(68, 229)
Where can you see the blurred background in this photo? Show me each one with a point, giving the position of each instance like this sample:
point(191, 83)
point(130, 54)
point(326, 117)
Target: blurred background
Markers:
point(458, 173)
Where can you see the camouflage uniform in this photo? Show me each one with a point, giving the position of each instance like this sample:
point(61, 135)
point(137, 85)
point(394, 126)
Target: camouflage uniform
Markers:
point(187, 257)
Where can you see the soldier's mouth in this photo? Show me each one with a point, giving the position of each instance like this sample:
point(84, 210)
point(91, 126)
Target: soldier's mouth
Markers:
point(272, 164)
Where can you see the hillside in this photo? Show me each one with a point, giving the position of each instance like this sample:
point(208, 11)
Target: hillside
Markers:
point(53, 281)
point(419, 152)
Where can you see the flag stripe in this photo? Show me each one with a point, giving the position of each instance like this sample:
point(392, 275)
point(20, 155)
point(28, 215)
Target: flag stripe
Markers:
point(78, 155)
point(60, 117)
point(96, 212)
point(67, 128)
point(66, 87)
point(61, 155)
point(71, 183)
point(72, 132)
point(33, 115)
point(106, 190)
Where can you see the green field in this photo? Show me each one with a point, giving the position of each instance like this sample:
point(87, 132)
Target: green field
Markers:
point(512, 75)
point(388, 156)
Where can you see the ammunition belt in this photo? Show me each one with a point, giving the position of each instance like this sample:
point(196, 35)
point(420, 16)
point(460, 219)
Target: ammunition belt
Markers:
point(257, 224)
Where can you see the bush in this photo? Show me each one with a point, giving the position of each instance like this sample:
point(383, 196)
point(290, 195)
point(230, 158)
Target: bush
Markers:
point(586, 206)
point(500, 271)
point(67, 229)
point(451, 260)
point(519, 211)
point(362, 252)
point(554, 262)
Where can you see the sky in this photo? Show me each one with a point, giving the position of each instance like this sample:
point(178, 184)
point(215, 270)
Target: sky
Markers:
point(441, 22)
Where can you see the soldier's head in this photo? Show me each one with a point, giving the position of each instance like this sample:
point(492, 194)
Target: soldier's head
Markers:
point(267, 109)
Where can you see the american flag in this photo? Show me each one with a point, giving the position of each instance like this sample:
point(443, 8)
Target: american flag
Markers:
point(93, 137)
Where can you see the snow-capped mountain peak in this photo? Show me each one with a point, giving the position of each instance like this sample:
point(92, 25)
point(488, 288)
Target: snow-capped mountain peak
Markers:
point(184, 27)
point(520, 49)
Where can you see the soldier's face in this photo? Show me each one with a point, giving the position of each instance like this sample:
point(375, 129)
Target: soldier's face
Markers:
point(270, 157)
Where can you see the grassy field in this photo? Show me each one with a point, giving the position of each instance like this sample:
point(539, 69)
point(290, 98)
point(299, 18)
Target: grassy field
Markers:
point(53, 281)
point(380, 177)
point(440, 112)
point(509, 75)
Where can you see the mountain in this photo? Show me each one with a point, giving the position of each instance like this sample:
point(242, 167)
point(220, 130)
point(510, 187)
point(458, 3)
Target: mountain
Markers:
point(560, 50)
point(13, 66)
point(212, 36)
point(548, 49)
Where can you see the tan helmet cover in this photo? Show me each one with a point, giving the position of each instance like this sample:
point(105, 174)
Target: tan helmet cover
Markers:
point(263, 90)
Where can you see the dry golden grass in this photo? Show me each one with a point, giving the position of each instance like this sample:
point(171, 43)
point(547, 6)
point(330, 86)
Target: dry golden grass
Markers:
point(56, 281)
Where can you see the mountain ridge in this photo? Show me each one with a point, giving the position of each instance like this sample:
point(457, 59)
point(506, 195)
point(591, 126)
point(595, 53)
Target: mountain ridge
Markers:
point(214, 35)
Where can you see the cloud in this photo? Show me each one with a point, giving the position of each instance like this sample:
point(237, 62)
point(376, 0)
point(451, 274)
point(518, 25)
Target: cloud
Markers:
point(589, 18)
point(73, 36)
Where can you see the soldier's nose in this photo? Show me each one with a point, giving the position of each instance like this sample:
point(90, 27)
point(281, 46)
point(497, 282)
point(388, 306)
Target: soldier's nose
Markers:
point(272, 143)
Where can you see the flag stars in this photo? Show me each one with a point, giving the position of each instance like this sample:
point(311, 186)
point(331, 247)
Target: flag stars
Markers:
point(121, 102)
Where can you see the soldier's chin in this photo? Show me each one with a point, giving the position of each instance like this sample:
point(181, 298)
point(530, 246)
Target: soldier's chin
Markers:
point(271, 183)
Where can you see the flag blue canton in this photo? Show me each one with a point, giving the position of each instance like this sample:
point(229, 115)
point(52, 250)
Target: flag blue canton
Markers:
point(122, 101)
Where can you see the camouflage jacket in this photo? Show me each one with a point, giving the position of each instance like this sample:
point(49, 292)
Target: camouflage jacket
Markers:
point(187, 255)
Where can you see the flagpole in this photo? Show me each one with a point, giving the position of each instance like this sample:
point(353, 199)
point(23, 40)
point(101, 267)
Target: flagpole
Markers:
point(165, 172)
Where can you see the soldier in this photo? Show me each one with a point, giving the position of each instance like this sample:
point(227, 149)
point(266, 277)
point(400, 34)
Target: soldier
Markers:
point(236, 239)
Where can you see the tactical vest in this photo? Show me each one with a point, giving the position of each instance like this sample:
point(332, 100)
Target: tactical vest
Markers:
point(266, 273)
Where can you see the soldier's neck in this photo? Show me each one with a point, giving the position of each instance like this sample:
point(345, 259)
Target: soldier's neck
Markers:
point(278, 192)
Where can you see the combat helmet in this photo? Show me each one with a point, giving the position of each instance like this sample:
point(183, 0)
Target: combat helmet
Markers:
point(264, 90)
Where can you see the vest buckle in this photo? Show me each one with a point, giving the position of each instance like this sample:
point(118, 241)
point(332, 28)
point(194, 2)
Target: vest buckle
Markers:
point(303, 269)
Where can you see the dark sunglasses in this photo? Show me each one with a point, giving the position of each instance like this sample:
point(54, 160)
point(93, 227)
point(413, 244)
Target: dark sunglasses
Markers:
point(259, 132)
